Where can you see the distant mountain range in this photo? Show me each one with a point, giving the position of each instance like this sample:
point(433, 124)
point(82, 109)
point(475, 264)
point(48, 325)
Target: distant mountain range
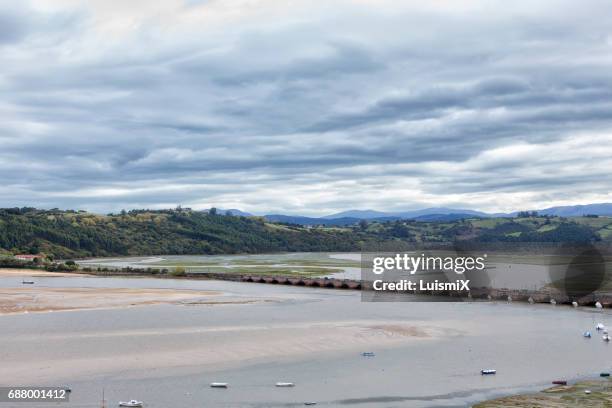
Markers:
point(578, 210)
point(290, 219)
point(351, 217)
point(342, 221)
point(370, 214)
point(233, 211)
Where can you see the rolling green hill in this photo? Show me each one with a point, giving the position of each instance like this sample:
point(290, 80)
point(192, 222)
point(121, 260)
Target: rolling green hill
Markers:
point(69, 234)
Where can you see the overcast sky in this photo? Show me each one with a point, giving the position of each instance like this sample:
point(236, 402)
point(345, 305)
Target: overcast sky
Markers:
point(305, 107)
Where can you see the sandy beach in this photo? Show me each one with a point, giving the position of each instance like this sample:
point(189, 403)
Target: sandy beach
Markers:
point(32, 299)
point(36, 299)
point(32, 273)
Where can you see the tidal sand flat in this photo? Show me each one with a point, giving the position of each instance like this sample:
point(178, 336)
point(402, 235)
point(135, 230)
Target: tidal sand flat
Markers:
point(28, 273)
point(166, 353)
point(245, 341)
point(39, 299)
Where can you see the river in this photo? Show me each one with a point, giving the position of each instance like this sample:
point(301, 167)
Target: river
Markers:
point(426, 354)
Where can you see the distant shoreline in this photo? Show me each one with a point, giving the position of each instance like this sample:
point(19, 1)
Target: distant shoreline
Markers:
point(477, 294)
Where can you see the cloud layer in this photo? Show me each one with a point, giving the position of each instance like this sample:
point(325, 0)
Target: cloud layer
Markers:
point(305, 107)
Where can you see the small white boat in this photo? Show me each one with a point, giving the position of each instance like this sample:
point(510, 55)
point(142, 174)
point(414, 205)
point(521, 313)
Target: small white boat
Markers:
point(368, 354)
point(587, 334)
point(587, 391)
point(219, 385)
point(553, 302)
point(600, 326)
point(598, 305)
point(130, 403)
point(530, 300)
point(285, 384)
point(605, 337)
point(488, 372)
point(575, 304)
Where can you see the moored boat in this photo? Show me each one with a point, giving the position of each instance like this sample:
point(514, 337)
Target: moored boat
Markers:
point(285, 384)
point(130, 403)
point(488, 372)
point(560, 382)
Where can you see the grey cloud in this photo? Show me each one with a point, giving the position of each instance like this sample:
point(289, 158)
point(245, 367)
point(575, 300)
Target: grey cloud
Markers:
point(18, 22)
point(248, 110)
point(485, 94)
point(13, 26)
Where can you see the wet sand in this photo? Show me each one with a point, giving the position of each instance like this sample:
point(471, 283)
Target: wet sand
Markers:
point(33, 273)
point(241, 342)
point(33, 298)
point(37, 299)
point(201, 346)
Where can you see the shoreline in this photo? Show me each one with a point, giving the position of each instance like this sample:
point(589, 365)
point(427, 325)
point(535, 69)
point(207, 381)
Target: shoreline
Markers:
point(587, 393)
point(9, 272)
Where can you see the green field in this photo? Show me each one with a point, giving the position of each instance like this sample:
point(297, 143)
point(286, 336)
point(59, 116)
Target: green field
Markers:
point(290, 264)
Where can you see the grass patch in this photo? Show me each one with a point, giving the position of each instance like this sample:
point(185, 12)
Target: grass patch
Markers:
point(599, 222)
point(547, 227)
point(178, 271)
point(606, 232)
point(488, 222)
point(297, 272)
point(559, 397)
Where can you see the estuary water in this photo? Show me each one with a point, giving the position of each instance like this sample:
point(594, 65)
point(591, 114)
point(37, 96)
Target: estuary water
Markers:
point(531, 274)
point(426, 354)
